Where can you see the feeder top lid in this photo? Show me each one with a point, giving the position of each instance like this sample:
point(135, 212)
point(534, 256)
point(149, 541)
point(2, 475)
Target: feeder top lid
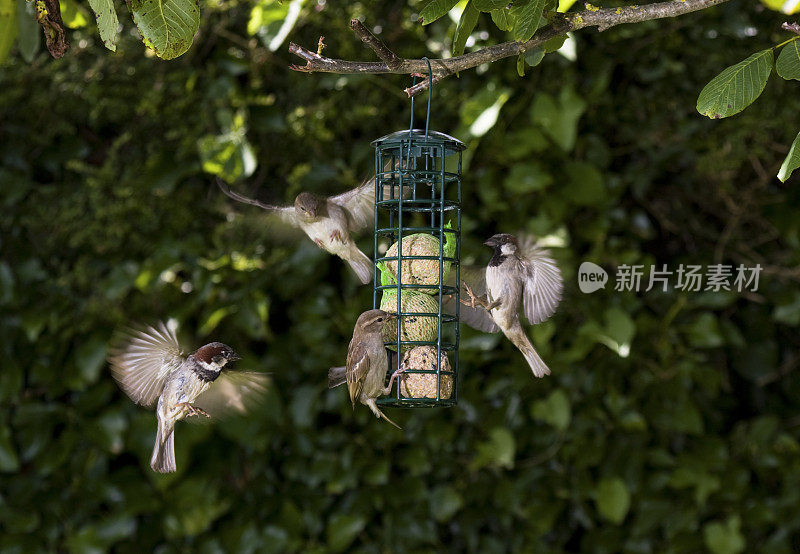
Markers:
point(417, 136)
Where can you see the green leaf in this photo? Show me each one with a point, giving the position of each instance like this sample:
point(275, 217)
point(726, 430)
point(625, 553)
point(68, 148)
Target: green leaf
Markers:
point(704, 332)
point(30, 35)
point(107, 22)
point(167, 26)
point(480, 112)
point(490, 5)
point(229, 155)
point(787, 7)
point(502, 18)
point(527, 18)
point(9, 461)
point(553, 44)
point(90, 357)
point(792, 160)
point(559, 118)
point(613, 499)
point(788, 63)
point(584, 184)
point(788, 312)
point(214, 319)
point(617, 333)
point(724, 538)
point(469, 18)
point(343, 529)
point(703, 482)
point(435, 9)
point(8, 27)
point(445, 502)
point(527, 177)
point(521, 65)
point(272, 21)
point(498, 451)
point(534, 56)
point(736, 87)
point(74, 15)
point(555, 410)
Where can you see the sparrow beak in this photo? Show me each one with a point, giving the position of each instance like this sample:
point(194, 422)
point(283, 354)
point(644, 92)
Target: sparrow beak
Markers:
point(390, 316)
point(234, 358)
point(491, 241)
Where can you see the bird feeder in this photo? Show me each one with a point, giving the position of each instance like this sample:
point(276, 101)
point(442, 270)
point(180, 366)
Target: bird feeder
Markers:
point(418, 226)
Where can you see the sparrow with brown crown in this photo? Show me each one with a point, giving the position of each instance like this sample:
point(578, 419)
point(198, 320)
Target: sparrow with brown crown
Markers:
point(328, 221)
point(520, 272)
point(151, 369)
point(367, 363)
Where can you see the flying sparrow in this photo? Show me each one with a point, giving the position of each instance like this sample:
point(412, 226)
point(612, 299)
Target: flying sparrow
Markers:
point(328, 221)
point(366, 363)
point(149, 366)
point(519, 272)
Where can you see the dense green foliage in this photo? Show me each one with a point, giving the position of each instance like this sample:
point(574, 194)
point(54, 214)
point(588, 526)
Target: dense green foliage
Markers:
point(688, 443)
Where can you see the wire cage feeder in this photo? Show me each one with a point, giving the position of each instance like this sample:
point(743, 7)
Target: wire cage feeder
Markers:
point(418, 213)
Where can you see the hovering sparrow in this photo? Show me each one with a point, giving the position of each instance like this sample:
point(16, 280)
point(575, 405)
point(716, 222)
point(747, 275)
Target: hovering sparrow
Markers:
point(328, 221)
point(366, 363)
point(519, 271)
point(150, 367)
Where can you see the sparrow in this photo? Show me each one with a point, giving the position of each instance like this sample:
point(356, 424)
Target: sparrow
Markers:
point(151, 369)
point(367, 363)
point(328, 221)
point(520, 272)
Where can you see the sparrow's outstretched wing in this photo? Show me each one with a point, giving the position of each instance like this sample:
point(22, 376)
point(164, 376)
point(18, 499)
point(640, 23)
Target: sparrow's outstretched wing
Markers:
point(233, 392)
point(477, 317)
point(357, 369)
point(359, 203)
point(542, 281)
point(142, 359)
point(285, 214)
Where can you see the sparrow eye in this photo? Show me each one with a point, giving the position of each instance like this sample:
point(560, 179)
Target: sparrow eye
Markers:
point(380, 319)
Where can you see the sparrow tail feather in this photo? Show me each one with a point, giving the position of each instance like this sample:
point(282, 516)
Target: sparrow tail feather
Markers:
point(521, 341)
point(360, 264)
point(163, 459)
point(378, 413)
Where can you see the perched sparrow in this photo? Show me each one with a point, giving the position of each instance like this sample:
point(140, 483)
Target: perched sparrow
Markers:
point(519, 271)
point(366, 363)
point(328, 221)
point(150, 367)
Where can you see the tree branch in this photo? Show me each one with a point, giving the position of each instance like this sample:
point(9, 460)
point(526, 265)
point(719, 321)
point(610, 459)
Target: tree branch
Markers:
point(391, 59)
point(603, 19)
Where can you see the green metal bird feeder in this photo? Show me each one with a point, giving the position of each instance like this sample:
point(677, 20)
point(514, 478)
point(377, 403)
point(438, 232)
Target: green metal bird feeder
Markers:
point(418, 213)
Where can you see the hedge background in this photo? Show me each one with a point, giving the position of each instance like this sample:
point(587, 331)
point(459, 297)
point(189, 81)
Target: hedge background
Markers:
point(687, 444)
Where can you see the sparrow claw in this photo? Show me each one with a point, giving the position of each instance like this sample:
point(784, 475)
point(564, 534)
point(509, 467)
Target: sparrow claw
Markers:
point(480, 301)
point(336, 235)
point(388, 389)
point(193, 410)
point(472, 298)
point(319, 243)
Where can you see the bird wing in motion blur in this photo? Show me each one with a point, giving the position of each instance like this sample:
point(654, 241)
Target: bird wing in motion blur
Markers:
point(286, 214)
point(543, 284)
point(359, 204)
point(143, 360)
point(477, 317)
point(233, 392)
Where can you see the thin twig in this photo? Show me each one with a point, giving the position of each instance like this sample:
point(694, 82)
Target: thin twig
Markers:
point(391, 59)
point(391, 63)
